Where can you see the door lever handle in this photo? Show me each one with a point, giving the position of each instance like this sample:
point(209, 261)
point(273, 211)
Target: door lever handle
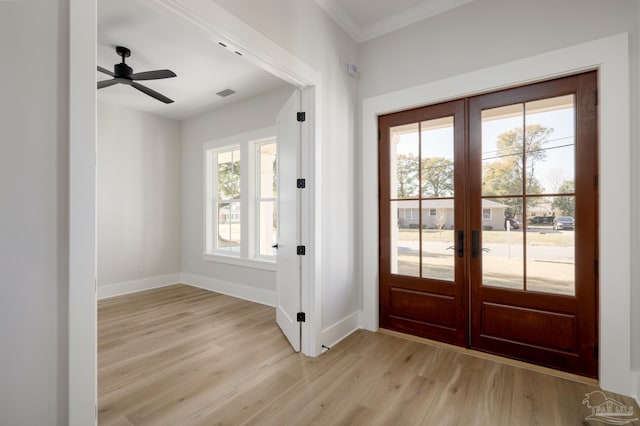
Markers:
point(475, 244)
point(275, 246)
point(460, 243)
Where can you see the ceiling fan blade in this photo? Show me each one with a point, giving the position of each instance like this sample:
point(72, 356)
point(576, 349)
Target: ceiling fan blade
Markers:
point(151, 93)
point(153, 75)
point(106, 71)
point(107, 83)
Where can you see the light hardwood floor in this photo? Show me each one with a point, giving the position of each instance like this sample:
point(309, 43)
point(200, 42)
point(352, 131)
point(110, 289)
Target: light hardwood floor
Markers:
point(181, 356)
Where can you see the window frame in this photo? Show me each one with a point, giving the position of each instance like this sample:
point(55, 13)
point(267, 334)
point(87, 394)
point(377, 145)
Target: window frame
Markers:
point(246, 257)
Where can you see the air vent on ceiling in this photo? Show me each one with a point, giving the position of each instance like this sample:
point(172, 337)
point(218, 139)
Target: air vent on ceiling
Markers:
point(225, 93)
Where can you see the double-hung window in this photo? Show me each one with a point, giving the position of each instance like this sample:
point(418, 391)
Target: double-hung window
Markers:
point(266, 198)
point(241, 201)
point(227, 201)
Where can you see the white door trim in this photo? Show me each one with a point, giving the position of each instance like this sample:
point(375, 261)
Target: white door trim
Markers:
point(82, 319)
point(610, 56)
point(219, 25)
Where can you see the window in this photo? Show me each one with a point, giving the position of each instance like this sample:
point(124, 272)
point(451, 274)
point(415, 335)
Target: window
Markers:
point(266, 201)
point(241, 202)
point(410, 213)
point(226, 200)
point(486, 214)
point(432, 212)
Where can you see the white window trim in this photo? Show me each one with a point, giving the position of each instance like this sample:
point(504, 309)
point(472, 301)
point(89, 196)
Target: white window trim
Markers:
point(247, 263)
point(211, 219)
point(246, 143)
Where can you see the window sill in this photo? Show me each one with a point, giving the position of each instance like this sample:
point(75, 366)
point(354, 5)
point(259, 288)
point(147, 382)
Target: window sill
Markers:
point(247, 263)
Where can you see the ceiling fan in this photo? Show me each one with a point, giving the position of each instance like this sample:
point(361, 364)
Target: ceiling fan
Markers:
point(123, 74)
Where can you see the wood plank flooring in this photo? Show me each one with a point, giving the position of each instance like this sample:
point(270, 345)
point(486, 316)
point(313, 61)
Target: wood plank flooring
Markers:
point(185, 356)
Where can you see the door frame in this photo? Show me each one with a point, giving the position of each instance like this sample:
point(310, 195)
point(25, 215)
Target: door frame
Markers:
point(610, 56)
point(220, 25)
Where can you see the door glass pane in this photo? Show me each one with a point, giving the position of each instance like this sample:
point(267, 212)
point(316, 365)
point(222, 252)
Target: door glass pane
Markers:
point(502, 243)
point(438, 214)
point(404, 154)
point(502, 151)
point(550, 145)
point(437, 158)
point(438, 254)
point(405, 238)
point(551, 250)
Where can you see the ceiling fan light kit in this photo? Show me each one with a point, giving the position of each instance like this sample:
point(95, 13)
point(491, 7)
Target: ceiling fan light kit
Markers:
point(123, 74)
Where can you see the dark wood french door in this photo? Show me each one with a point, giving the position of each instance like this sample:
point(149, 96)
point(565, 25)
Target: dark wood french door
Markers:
point(488, 222)
point(422, 217)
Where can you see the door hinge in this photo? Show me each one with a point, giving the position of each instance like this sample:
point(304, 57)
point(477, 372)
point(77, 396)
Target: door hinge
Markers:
point(596, 97)
point(301, 317)
point(596, 267)
point(301, 250)
point(301, 116)
point(301, 183)
point(596, 181)
point(595, 351)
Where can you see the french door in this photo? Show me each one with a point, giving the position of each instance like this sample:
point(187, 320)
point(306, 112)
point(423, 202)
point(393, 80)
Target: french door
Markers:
point(488, 222)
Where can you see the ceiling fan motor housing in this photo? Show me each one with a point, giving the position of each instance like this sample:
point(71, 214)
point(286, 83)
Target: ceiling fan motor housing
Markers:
point(122, 70)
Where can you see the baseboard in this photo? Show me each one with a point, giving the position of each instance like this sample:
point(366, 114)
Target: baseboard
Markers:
point(118, 289)
point(240, 291)
point(332, 335)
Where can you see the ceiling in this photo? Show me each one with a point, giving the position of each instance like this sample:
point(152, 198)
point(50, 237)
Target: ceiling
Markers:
point(159, 40)
point(367, 19)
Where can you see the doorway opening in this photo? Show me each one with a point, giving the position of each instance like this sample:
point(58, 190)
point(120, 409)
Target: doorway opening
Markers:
point(219, 25)
point(489, 225)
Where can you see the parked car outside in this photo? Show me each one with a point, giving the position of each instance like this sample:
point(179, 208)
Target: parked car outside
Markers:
point(541, 220)
point(563, 222)
point(515, 223)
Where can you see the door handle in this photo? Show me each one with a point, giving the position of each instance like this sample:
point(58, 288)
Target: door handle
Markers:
point(275, 246)
point(475, 244)
point(460, 243)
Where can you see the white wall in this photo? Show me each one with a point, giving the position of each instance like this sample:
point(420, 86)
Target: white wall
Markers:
point(303, 29)
point(217, 126)
point(139, 196)
point(492, 32)
point(635, 206)
point(484, 33)
point(33, 212)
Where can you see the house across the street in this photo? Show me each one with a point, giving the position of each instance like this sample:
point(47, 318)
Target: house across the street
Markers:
point(438, 214)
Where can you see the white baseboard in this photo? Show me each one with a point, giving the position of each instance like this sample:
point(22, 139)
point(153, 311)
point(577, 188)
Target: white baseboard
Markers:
point(333, 334)
point(118, 289)
point(240, 291)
